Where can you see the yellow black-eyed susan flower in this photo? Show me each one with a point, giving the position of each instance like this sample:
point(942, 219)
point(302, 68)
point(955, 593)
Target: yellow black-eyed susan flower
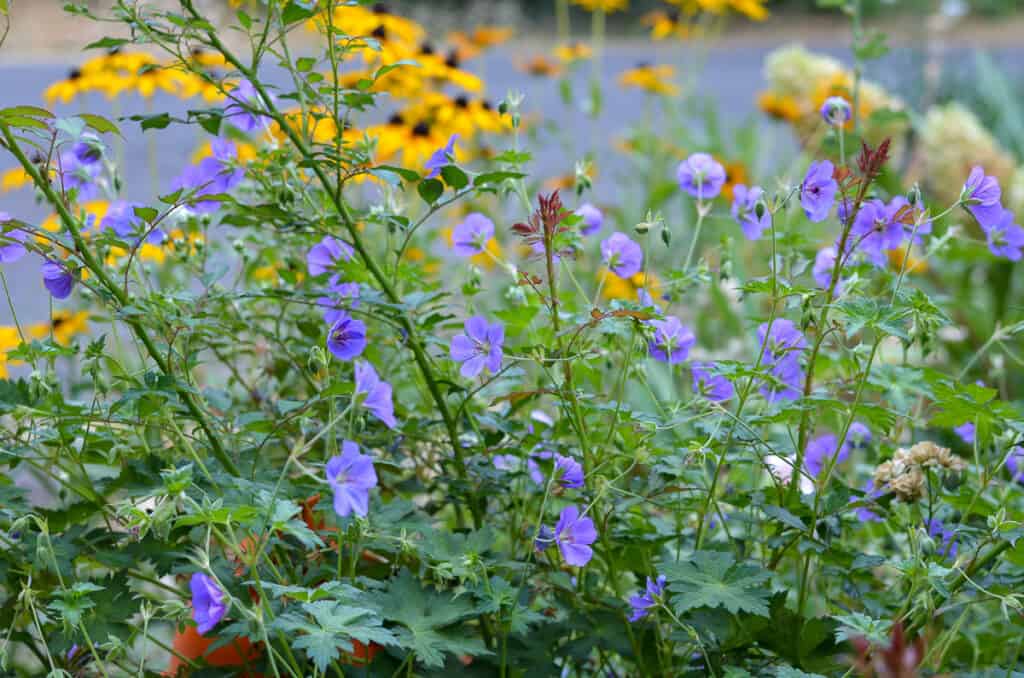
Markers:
point(652, 79)
point(668, 24)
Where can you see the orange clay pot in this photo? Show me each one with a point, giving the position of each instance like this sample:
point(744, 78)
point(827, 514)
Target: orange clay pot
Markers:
point(193, 646)
point(190, 644)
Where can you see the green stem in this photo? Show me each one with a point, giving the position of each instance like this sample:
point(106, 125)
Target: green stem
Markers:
point(119, 295)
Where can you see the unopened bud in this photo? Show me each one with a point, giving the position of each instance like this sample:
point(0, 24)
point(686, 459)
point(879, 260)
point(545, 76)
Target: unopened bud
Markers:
point(914, 195)
point(642, 228)
point(666, 236)
point(760, 209)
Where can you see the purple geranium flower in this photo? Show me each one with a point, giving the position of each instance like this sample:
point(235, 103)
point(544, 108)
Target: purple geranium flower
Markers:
point(844, 210)
point(836, 111)
point(783, 347)
point(966, 432)
point(244, 97)
point(1015, 463)
point(545, 538)
point(213, 175)
point(1005, 238)
point(824, 264)
point(347, 337)
point(876, 230)
point(643, 603)
point(441, 157)
point(57, 279)
point(377, 392)
point(574, 535)
point(624, 257)
point(568, 472)
point(11, 247)
point(949, 546)
point(339, 297)
point(712, 386)
point(982, 197)
point(820, 451)
point(471, 236)
point(533, 468)
point(858, 436)
point(351, 476)
point(672, 340)
point(701, 176)
point(324, 256)
point(80, 167)
point(479, 347)
point(818, 190)
point(863, 513)
point(208, 602)
point(592, 217)
point(505, 462)
point(744, 211)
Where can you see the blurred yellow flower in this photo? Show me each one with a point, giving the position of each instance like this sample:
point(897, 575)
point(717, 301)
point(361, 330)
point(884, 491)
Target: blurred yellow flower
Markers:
point(627, 289)
point(651, 79)
point(781, 107)
point(66, 325)
point(667, 25)
point(9, 340)
point(540, 66)
point(915, 262)
point(603, 5)
point(752, 9)
point(246, 152)
point(573, 52)
point(94, 210)
point(13, 179)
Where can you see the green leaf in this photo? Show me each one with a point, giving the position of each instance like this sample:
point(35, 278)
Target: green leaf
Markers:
point(99, 123)
point(495, 177)
point(295, 12)
point(407, 174)
point(426, 616)
point(108, 43)
point(159, 121)
point(430, 190)
point(25, 111)
point(714, 579)
point(334, 627)
point(783, 516)
point(454, 177)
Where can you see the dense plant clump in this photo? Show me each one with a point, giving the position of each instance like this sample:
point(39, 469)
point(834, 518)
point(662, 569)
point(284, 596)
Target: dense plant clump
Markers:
point(368, 391)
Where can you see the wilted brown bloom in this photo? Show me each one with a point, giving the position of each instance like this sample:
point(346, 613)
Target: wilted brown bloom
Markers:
point(904, 474)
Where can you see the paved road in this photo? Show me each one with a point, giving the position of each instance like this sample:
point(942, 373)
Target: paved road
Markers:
point(731, 77)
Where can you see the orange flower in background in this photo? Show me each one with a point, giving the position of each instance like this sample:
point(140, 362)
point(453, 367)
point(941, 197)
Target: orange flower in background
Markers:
point(540, 66)
point(651, 79)
point(735, 173)
point(469, 45)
